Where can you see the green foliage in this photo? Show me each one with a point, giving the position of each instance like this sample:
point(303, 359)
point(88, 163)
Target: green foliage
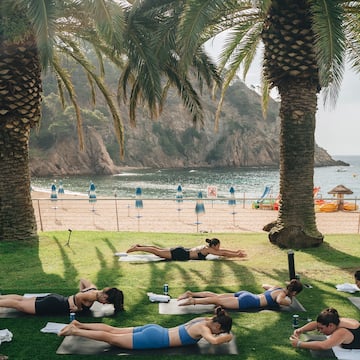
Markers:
point(51, 266)
point(167, 140)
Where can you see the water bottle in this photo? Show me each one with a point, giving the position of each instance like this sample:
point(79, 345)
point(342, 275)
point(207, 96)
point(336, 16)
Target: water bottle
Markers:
point(72, 317)
point(166, 289)
point(295, 321)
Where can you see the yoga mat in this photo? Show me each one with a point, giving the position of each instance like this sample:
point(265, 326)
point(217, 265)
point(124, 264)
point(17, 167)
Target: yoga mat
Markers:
point(172, 308)
point(355, 301)
point(83, 346)
point(143, 258)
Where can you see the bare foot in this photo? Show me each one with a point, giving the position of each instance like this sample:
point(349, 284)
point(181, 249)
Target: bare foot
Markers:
point(133, 248)
point(185, 295)
point(67, 330)
point(187, 301)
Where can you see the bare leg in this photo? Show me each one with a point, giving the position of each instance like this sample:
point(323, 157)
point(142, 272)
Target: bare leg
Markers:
point(201, 294)
point(18, 302)
point(121, 340)
point(101, 327)
point(224, 301)
point(164, 253)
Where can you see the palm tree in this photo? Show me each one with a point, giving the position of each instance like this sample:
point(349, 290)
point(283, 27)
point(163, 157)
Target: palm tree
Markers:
point(305, 46)
point(35, 36)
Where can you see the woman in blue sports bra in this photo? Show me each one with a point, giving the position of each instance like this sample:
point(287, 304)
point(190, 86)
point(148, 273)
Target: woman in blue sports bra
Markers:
point(273, 297)
point(181, 253)
point(153, 336)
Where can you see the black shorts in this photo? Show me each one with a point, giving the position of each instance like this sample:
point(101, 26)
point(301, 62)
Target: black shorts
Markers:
point(180, 254)
point(52, 304)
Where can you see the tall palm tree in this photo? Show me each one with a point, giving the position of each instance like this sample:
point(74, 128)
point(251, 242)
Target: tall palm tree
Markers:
point(306, 44)
point(35, 35)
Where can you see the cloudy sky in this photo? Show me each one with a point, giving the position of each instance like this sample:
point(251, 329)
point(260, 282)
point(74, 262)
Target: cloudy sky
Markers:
point(337, 129)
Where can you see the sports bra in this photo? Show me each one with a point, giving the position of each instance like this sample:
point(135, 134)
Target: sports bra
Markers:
point(185, 338)
point(84, 307)
point(201, 256)
point(270, 301)
point(355, 344)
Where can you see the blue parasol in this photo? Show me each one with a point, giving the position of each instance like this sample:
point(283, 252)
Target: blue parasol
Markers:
point(138, 201)
point(61, 188)
point(53, 195)
point(92, 195)
point(232, 202)
point(138, 204)
point(199, 208)
point(179, 198)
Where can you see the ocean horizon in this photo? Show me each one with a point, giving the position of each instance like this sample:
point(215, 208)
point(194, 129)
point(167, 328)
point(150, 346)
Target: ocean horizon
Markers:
point(163, 183)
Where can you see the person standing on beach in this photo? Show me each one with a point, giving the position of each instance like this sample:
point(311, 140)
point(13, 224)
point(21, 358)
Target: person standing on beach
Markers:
point(180, 253)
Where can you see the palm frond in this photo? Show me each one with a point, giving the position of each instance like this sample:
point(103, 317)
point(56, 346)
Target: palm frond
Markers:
point(330, 45)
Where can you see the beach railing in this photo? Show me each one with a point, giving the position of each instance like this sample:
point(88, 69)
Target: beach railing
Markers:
point(170, 215)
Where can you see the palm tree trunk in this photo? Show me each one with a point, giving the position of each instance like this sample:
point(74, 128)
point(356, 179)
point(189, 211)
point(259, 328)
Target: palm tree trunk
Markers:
point(17, 218)
point(20, 100)
point(296, 222)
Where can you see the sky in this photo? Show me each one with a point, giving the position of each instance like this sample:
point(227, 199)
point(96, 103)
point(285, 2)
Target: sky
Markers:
point(337, 128)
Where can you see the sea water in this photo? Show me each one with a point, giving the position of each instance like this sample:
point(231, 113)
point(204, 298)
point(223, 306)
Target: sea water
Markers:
point(163, 183)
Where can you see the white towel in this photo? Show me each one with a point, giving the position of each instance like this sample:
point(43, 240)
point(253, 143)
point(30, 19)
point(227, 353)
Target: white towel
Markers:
point(5, 335)
point(52, 327)
point(158, 298)
point(35, 295)
point(349, 288)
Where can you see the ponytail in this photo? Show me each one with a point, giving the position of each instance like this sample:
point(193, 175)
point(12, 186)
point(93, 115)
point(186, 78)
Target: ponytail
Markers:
point(223, 319)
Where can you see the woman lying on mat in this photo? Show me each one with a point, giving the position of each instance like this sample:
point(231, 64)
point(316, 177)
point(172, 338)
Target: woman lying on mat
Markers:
point(273, 297)
point(55, 304)
point(152, 336)
point(340, 331)
point(180, 253)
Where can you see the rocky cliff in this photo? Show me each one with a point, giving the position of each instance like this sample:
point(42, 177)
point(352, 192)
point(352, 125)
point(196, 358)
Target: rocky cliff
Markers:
point(244, 139)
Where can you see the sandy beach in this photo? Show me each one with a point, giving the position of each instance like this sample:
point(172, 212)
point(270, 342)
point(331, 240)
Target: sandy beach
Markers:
point(109, 214)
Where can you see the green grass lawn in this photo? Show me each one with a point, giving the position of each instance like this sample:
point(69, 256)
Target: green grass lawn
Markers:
point(50, 265)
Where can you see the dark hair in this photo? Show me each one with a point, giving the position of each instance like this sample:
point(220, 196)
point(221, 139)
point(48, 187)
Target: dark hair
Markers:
point(223, 319)
point(357, 275)
point(115, 297)
point(213, 242)
point(294, 285)
point(328, 316)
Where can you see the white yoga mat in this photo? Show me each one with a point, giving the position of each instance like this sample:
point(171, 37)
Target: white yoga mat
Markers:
point(173, 308)
point(350, 288)
point(139, 258)
point(355, 301)
point(53, 327)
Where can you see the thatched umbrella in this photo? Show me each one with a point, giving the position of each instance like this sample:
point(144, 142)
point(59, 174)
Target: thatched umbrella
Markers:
point(340, 191)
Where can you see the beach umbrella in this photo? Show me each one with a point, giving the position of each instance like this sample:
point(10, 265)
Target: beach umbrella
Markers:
point(232, 202)
point(92, 194)
point(61, 188)
point(179, 197)
point(138, 204)
point(199, 209)
point(53, 195)
point(138, 200)
point(340, 191)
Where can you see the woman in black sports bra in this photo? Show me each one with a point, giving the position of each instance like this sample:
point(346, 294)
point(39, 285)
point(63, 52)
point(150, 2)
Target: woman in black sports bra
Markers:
point(339, 331)
point(55, 304)
point(180, 253)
